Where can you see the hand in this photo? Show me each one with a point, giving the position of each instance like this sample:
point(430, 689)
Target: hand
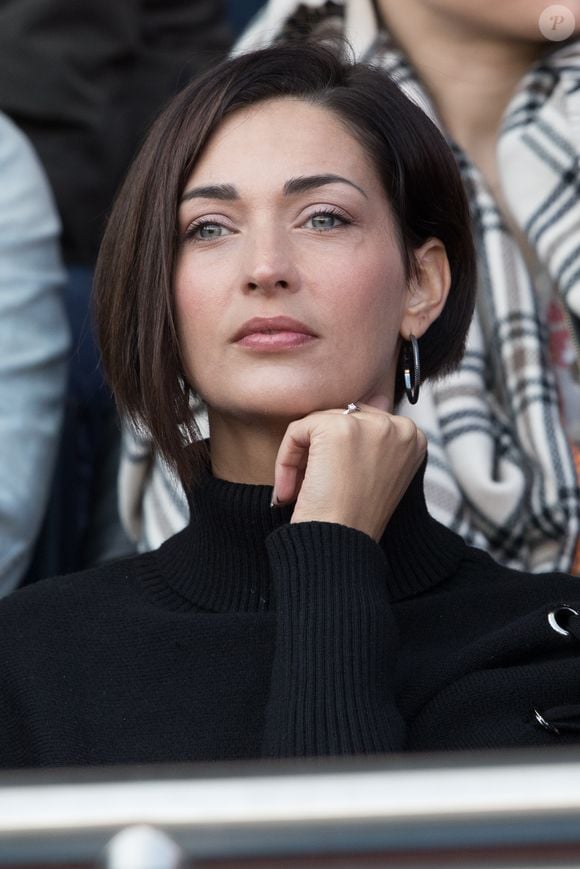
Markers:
point(351, 469)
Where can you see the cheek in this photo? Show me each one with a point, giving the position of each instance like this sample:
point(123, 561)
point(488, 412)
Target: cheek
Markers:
point(372, 297)
point(182, 288)
point(186, 322)
point(193, 325)
point(196, 305)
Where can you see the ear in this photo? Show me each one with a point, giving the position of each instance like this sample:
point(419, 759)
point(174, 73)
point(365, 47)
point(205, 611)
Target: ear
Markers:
point(427, 290)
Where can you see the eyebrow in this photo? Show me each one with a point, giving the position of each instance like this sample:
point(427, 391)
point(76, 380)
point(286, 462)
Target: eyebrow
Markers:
point(299, 185)
point(227, 192)
point(212, 191)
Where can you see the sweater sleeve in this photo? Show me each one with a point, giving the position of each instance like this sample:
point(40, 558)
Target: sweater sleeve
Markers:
point(332, 690)
point(511, 677)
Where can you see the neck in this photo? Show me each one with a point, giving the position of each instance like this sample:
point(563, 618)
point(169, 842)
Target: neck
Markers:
point(244, 451)
point(471, 73)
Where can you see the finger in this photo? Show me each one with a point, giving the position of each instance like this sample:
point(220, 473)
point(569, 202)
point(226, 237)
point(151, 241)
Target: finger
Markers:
point(371, 408)
point(361, 406)
point(364, 407)
point(291, 461)
point(422, 442)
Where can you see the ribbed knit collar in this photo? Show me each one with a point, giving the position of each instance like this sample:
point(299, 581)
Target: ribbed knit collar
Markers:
point(219, 562)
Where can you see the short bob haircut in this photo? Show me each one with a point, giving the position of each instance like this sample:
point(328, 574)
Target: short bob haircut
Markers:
point(134, 299)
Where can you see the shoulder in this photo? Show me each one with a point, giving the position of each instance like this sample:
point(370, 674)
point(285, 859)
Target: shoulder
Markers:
point(69, 604)
point(25, 191)
point(16, 151)
point(484, 579)
point(13, 143)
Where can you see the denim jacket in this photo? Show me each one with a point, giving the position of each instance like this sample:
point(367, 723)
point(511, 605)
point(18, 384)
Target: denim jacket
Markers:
point(34, 344)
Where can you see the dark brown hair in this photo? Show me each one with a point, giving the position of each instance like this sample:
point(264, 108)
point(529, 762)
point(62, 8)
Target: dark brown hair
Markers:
point(133, 289)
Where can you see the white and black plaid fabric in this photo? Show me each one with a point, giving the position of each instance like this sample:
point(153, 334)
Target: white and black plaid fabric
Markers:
point(500, 469)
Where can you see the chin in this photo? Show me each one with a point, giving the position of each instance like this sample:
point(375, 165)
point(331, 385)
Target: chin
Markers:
point(283, 406)
point(283, 410)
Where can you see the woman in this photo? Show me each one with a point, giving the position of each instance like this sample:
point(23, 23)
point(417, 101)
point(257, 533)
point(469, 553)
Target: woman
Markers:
point(291, 238)
point(504, 430)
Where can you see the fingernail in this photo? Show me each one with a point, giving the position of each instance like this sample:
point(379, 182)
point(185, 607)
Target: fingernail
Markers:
point(274, 502)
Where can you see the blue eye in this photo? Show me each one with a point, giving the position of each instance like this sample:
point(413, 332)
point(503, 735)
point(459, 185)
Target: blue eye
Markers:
point(206, 231)
point(324, 220)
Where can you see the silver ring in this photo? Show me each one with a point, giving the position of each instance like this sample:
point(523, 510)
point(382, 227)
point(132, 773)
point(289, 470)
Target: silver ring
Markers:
point(352, 408)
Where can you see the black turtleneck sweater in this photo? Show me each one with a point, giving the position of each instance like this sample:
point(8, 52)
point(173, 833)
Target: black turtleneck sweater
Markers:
point(245, 636)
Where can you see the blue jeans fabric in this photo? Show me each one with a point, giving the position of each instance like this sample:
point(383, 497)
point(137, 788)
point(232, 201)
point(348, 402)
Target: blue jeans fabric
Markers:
point(34, 344)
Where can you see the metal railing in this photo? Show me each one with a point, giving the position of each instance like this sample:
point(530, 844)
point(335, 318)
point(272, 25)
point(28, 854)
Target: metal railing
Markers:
point(502, 808)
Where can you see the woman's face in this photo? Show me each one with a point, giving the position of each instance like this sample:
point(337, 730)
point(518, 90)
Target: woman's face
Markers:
point(289, 285)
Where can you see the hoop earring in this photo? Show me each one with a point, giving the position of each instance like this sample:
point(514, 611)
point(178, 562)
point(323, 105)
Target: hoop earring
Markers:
point(411, 369)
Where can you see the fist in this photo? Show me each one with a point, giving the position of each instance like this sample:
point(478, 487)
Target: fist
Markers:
point(351, 469)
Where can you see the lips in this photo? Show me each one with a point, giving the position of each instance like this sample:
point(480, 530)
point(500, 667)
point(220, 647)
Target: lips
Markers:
point(273, 326)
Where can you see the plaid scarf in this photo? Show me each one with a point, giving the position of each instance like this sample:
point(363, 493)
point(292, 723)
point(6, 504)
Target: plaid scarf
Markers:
point(500, 469)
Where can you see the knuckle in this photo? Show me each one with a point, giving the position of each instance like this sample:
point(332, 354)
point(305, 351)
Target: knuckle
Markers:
point(406, 430)
point(384, 423)
point(345, 427)
point(292, 429)
point(384, 428)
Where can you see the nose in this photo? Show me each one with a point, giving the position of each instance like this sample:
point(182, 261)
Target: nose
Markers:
point(270, 266)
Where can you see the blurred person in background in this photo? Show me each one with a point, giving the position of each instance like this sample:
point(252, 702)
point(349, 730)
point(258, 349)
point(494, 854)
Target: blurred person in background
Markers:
point(34, 344)
point(84, 80)
point(502, 81)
